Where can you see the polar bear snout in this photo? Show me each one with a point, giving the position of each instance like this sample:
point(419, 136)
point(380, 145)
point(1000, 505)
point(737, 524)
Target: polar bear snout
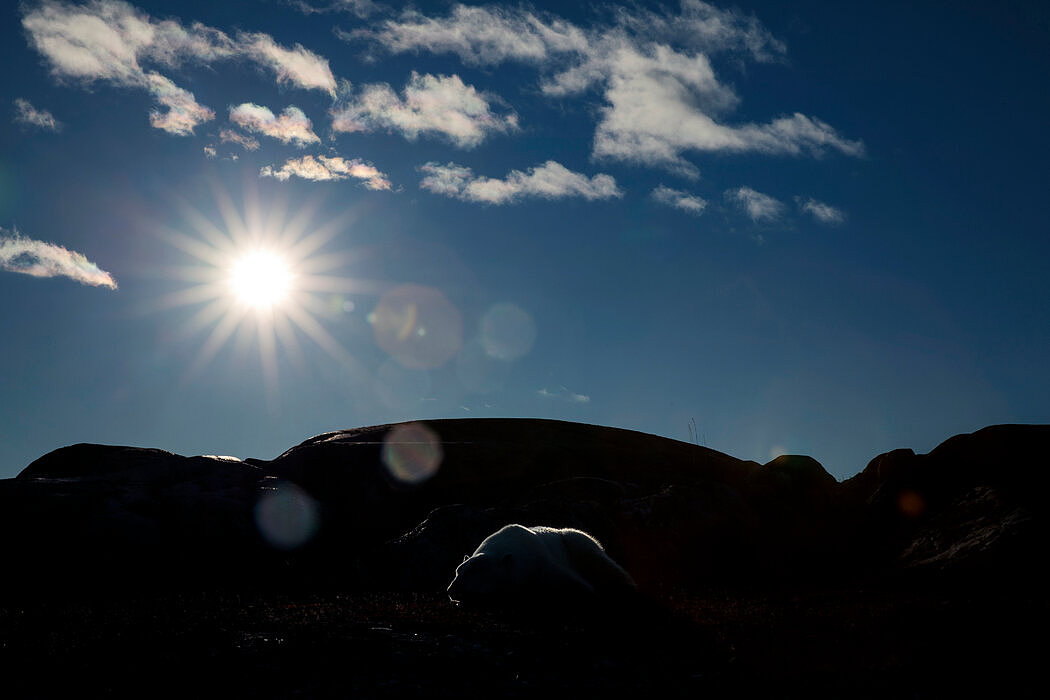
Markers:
point(480, 576)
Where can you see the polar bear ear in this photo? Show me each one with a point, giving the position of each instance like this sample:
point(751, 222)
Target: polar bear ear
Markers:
point(465, 557)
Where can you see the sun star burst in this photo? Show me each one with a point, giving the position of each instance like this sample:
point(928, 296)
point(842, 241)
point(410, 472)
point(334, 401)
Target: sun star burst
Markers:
point(261, 274)
point(261, 279)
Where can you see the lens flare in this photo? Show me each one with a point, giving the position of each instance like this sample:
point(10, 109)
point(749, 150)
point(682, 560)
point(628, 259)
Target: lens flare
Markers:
point(911, 504)
point(286, 517)
point(418, 326)
point(507, 332)
point(412, 452)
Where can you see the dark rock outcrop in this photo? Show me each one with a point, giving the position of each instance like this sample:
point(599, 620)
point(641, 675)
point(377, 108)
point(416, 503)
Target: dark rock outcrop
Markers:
point(976, 505)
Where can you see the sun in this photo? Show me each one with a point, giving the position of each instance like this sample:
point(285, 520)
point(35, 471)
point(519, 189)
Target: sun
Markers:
point(261, 279)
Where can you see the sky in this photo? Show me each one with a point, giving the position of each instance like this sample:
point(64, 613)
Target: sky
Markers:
point(811, 227)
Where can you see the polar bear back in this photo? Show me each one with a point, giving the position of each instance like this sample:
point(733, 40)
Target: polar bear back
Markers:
point(523, 563)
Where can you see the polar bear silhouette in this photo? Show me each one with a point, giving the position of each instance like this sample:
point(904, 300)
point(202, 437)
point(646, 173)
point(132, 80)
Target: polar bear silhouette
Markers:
point(534, 564)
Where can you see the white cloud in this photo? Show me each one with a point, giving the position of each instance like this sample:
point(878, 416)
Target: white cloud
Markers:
point(323, 168)
point(97, 41)
point(450, 180)
point(210, 152)
point(243, 140)
point(550, 181)
point(113, 42)
point(431, 104)
point(26, 113)
point(662, 97)
point(109, 40)
point(40, 259)
point(106, 40)
point(824, 213)
point(679, 200)
point(298, 66)
point(293, 126)
point(183, 112)
point(479, 35)
point(661, 103)
point(758, 206)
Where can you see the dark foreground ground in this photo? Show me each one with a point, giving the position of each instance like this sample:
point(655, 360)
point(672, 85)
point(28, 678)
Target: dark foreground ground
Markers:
point(914, 641)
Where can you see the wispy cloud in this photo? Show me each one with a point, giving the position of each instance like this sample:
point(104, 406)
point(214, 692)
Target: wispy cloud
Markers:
point(243, 140)
point(40, 259)
point(478, 35)
point(679, 200)
point(361, 8)
point(488, 35)
point(298, 66)
point(27, 114)
point(551, 180)
point(437, 104)
point(323, 168)
point(662, 98)
point(563, 394)
point(293, 126)
point(113, 42)
point(824, 213)
point(758, 206)
point(703, 27)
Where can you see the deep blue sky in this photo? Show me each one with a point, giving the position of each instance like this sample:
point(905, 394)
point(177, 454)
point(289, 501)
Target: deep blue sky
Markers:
point(811, 227)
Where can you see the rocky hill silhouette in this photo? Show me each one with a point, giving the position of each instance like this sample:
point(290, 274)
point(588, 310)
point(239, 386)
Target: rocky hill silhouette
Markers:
point(893, 576)
point(675, 514)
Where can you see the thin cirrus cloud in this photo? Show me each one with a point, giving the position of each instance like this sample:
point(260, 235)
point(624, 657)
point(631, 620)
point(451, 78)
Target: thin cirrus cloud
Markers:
point(113, 42)
point(325, 168)
point(431, 104)
point(662, 98)
point(27, 114)
point(759, 207)
point(824, 213)
point(41, 259)
point(361, 8)
point(478, 35)
point(563, 394)
point(679, 200)
point(292, 126)
point(550, 180)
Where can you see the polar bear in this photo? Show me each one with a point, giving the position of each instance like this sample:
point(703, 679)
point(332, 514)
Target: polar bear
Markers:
point(534, 564)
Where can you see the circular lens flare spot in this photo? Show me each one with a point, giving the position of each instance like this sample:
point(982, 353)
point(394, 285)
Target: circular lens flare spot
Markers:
point(418, 326)
point(287, 517)
point(412, 452)
point(260, 279)
point(507, 332)
point(911, 504)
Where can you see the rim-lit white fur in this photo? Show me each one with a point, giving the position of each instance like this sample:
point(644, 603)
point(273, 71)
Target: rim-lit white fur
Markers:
point(519, 562)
